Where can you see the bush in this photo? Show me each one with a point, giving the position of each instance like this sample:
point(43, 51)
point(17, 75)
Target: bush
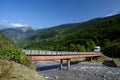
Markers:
point(14, 55)
point(112, 50)
point(10, 51)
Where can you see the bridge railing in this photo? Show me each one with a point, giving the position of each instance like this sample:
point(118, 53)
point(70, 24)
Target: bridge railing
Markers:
point(39, 52)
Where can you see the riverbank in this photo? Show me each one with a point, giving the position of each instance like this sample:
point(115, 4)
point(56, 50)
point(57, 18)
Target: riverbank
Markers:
point(10, 70)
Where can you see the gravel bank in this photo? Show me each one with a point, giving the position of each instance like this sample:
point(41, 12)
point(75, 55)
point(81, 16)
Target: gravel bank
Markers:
point(79, 71)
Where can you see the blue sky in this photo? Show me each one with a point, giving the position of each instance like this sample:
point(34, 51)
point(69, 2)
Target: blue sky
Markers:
point(48, 13)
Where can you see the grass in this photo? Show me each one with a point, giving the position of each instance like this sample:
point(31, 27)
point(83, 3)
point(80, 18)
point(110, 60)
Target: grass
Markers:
point(6, 69)
point(10, 70)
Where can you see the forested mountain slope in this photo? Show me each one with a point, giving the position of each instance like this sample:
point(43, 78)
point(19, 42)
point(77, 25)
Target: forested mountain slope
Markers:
point(105, 32)
point(62, 30)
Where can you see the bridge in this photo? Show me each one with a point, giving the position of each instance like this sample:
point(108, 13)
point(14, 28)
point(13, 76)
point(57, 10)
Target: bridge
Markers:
point(37, 55)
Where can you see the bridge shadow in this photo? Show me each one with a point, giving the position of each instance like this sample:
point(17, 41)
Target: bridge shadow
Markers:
point(56, 66)
point(109, 63)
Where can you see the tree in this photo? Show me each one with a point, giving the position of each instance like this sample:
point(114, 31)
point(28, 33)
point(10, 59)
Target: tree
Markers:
point(72, 47)
point(80, 48)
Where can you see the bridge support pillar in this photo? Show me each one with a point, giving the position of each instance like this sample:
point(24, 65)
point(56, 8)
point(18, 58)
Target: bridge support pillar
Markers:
point(88, 58)
point(61, 64)
point(68, 64)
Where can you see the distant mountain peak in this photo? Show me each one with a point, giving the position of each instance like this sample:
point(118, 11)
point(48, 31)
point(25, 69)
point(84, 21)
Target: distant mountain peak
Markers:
point(2, 26)
point(25, 28)
point(18, 25)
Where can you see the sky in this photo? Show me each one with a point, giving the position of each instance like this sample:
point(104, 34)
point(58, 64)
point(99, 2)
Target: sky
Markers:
point(49, 13)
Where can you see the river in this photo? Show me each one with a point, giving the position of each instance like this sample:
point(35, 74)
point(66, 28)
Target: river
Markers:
point(50, 70)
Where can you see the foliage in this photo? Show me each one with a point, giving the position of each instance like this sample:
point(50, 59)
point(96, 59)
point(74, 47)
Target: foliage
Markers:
point(8, 50)
point(113, 50)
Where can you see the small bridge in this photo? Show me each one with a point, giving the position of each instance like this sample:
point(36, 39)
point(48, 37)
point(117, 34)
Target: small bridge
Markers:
point(37, 55)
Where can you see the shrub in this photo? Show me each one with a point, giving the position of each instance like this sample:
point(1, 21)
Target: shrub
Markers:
point(9, 51)
point(112, 50)
point(14, 55)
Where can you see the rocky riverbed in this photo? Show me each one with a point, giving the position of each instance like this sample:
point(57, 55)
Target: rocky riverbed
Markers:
point(78, 71)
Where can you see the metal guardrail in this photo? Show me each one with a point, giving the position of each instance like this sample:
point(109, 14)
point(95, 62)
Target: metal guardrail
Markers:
point(39, 52)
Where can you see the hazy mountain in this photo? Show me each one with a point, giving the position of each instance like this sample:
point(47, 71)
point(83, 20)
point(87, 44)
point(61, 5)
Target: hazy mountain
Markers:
point(17, 33)
point(2, 27)
point(26, 28)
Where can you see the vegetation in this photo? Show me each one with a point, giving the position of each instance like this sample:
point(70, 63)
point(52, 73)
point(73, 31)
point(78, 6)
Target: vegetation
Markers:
point(9, 51)
point(10, 70)
point(113, 49)
point(80, 37)
point(10, 56)
point(5, 69)
point(62, 30)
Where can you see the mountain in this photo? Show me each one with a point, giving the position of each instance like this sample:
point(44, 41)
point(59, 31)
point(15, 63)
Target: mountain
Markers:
point(26, 28)
point(80, 36)
point(2, 27)
point(62, 30)
point(17, 33)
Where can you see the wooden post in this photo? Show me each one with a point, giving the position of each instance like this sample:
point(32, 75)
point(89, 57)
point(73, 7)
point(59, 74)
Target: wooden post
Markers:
point(61, 64)
point(68, 64)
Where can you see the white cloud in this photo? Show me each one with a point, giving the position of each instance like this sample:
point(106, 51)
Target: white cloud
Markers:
point(11, 24)
point(114, 12)
point(18, 25)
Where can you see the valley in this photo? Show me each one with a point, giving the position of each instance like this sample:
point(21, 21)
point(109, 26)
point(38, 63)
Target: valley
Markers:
point(59, 40)
point(83, 36)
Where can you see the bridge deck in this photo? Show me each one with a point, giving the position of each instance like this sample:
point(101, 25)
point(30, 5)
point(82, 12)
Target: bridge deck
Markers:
point(38, 52)
point(54, 55)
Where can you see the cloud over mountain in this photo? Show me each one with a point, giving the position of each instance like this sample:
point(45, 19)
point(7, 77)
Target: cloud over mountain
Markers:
point(18, 25)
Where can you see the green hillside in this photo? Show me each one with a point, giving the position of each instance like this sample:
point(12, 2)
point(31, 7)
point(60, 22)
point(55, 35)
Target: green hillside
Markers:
point(56, 32)
point(62, 30)
point(14, 65)
point(10, 51)
point(82, 36)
